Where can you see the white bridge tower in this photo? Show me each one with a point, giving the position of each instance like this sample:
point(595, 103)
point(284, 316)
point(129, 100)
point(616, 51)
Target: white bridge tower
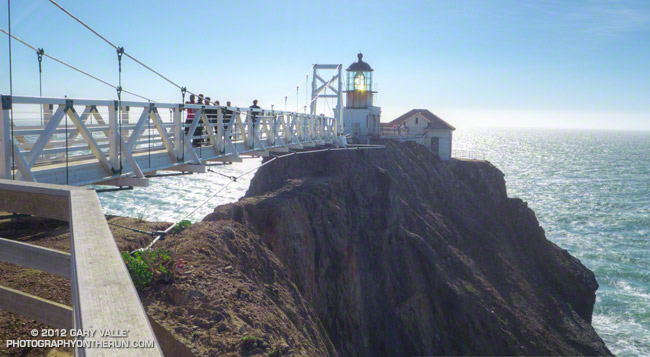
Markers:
point(335, 84)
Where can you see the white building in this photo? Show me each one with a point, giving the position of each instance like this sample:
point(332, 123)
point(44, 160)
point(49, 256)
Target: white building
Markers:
point(423, 127)
point(360, 117)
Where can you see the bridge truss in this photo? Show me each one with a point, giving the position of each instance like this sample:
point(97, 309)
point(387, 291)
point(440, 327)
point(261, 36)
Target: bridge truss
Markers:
point(84, 141)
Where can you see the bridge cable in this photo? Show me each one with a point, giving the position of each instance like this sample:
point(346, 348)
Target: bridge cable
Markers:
point(72, 67)
point(120, 52)
point(11, 93)
point(182, 132)
point(235, 179)
point(114, 46)
point(149, 139)
point(134, 229)
point(65, 117)
point(40, 53)
point(288, 93)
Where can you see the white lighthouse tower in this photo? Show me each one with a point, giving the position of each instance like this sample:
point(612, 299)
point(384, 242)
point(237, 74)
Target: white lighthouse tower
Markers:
point(360, 116)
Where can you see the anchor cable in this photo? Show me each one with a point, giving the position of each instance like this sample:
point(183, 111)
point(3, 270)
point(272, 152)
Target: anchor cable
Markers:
point(242, 175)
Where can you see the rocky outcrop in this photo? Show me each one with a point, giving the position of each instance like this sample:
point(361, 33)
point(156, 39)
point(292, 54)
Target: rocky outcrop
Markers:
point(399, 253)
point(234, 299)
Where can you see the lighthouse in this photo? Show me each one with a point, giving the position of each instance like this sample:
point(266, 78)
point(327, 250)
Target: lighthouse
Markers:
point(360, 116)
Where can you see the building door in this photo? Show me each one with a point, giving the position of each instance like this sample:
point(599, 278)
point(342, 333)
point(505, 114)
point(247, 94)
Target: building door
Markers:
point(356, 129)
point(435, 144)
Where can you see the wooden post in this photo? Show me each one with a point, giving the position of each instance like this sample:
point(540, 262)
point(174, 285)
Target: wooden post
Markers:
point(36, 308)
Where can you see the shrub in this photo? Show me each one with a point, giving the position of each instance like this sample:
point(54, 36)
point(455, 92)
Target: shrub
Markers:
point(181, 225)
point(139, 218)
point(251, 342)
point(153, 265)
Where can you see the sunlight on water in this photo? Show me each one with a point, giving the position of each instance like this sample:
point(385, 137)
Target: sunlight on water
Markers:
point(170, 198)
point(590, 191)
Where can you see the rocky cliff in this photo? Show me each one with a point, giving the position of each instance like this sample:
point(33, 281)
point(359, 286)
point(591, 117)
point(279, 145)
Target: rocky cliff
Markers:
point(399, 253)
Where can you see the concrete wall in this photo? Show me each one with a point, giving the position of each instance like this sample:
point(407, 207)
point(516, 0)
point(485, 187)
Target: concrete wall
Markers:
point(416, 124)
point(444, 142)
point(367, 120)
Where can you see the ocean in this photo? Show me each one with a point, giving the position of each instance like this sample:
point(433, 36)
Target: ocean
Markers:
point(590, 191)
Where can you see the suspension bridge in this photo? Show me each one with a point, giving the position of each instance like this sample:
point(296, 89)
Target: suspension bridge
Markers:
point(51, 146)
point(83, 141)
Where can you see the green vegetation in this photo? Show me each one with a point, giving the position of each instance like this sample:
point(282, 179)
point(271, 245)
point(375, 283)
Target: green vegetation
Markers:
point(251, 342)
point(471, 289)
point(149, 266)
point(181, 225)
point(139, 218)
point(275, 353)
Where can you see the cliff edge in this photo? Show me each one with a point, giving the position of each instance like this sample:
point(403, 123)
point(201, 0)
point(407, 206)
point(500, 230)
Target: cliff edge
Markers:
point(399, 253)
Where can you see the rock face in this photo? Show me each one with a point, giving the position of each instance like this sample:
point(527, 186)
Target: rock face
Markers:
point(399, 253)
point(235, 299)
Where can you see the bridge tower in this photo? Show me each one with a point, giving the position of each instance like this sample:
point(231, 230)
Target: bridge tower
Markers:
point(334, 84)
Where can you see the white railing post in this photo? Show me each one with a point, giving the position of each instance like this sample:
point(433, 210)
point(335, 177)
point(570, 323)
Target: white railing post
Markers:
point(5, 139)
point(178, 131)
point(113, 141)
point(220, 132)
point(273, 127)
point(48, 111)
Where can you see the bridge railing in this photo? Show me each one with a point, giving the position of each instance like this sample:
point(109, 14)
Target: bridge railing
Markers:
point(85, 141)
point(103, 296)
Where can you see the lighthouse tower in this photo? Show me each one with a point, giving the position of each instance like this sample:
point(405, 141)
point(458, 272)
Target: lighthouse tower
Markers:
point(360, 116)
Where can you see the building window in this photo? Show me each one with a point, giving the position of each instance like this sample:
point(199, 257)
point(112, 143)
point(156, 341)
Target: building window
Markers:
point(416, 120)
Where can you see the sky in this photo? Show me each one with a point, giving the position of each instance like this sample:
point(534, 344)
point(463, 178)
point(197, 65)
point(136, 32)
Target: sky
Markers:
point(520, 63)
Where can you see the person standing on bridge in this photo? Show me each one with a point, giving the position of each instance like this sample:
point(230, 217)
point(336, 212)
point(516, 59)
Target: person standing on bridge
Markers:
point(190, 113)
point(199, 128)
point(254, 109)
point(211, 114)
point(227, 117)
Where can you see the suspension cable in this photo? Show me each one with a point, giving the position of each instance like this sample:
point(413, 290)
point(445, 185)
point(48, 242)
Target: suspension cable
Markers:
point(72, 67)
point(11, 93)
point(65, 117)
point(289, 92)
point(114, 46)
point(120, 52)
point(182, 131)
point(40, 53)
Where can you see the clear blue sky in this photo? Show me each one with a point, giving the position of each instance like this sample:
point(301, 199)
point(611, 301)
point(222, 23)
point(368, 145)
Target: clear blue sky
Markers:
point(475, 63)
